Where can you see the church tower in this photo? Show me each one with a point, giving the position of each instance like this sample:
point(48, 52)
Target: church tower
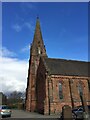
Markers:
point(37, 50)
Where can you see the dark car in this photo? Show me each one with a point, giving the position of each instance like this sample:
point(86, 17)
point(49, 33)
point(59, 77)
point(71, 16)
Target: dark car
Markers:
point(79, 111)
point(5, 111)
point(89, 108)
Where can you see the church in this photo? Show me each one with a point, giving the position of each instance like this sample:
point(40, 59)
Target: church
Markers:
point(53, 83)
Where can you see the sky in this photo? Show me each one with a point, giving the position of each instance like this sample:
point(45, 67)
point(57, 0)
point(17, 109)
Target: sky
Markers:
point(64, 27)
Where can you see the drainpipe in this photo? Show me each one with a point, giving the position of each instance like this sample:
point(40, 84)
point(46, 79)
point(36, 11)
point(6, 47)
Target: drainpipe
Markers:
point(71, 94)
point(84, 103)
point(49, 96)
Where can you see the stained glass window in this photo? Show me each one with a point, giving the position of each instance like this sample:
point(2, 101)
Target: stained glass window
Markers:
point(60, 91)
point(80, 89)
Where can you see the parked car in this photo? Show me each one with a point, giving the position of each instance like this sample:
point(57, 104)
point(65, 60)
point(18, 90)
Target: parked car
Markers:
point(89, 108)
point(79, 111)
point(5, 111)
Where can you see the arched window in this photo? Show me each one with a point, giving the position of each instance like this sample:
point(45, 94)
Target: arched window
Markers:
point(80, 88)
point(60, 91)
point(39, 51)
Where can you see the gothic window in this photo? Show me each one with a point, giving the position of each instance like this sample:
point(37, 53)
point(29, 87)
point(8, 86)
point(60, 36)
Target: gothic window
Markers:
point(39, 51)
point(60, 91)
point(39, 42)
point(80, 89)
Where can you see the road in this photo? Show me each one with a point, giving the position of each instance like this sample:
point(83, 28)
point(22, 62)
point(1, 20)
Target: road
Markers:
point(24, 114)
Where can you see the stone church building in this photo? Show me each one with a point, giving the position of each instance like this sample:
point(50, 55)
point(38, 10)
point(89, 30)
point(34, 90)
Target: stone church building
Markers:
point(53, 83)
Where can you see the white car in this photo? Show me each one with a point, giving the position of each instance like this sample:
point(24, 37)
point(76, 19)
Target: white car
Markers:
point(5, 111)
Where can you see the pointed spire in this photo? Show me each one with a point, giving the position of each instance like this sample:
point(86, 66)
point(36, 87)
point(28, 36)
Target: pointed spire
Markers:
point(37, 34)
point(38, 40)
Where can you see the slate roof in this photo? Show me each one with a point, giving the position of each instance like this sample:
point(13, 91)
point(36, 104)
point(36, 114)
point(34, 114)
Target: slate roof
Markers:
point(67, 67)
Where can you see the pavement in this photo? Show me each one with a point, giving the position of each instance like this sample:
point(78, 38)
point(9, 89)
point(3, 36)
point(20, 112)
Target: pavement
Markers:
point(21, 114)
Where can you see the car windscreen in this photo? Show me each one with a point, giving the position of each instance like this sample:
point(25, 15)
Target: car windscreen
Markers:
point(80, 109)
point(88, 106)
point(5, 107)
point(75, 109)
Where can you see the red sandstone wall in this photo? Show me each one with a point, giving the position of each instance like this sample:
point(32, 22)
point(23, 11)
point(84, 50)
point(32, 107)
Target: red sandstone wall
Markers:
point(55, 103)
point(47, 91)
point(40, 88)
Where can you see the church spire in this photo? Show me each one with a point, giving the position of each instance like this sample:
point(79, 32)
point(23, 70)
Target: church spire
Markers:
point(37, 50)
point(38, 34)
point(38, 44)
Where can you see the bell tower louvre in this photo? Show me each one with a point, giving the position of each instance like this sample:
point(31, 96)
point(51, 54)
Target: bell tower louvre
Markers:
point(37, 50)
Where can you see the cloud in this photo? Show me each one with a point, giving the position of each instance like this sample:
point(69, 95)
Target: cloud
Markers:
point(19, 27)
point(26, 48)
point(29, 25)
point(4, 52)
point(13, 74)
